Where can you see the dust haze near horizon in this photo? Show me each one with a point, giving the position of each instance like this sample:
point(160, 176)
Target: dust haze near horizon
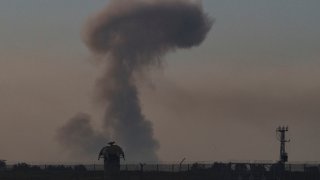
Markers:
point(258, 69)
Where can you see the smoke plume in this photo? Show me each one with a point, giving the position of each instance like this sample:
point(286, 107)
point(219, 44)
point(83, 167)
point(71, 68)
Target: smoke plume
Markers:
point(79, 136)
point(131, 36)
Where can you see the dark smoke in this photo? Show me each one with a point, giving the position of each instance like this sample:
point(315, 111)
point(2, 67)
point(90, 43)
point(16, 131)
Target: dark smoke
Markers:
point(130, 36)
point(79, 137)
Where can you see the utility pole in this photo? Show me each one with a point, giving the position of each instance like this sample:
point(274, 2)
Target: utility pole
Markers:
point(281, 135)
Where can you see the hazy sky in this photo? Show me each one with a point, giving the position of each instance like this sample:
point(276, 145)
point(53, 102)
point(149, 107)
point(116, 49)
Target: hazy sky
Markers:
point(258, 68)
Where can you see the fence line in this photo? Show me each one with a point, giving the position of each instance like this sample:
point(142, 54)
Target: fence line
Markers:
point(245, 167)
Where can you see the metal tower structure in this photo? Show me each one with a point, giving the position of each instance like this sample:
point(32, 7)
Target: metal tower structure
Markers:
point(281, 136)
point(111, 155)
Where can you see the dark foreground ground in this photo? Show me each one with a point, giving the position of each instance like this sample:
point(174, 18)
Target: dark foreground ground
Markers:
point(217, 171)
point(204, 175)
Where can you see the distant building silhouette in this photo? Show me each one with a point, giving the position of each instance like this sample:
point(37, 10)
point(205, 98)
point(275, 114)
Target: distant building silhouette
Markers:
point(111, 155)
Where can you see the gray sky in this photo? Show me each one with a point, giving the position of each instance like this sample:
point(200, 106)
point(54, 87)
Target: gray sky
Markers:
point(221, 101)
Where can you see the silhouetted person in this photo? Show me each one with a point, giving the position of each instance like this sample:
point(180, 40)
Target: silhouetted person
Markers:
point(2, 165)
point(111, 155)
point(142, 166)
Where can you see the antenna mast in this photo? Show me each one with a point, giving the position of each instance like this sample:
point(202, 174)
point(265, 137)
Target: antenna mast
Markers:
point(281, 135)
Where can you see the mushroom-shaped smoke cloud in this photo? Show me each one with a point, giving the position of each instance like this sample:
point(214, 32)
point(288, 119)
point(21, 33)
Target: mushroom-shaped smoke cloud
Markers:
point(132, 35)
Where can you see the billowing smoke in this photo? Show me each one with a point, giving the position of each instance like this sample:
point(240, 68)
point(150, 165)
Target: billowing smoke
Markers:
point(131, 36)
point(79, 137)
